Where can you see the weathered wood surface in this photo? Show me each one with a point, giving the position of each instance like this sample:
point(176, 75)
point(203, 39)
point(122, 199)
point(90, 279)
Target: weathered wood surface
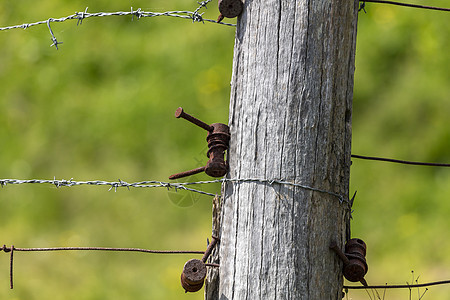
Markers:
point(290, 119)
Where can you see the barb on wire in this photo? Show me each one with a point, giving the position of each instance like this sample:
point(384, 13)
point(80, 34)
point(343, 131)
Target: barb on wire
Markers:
point(82, 16)
point(55, 42)
point(405, 4)
point(362, 6)
point(406, 162)
point(195, 16)
point(136, 13)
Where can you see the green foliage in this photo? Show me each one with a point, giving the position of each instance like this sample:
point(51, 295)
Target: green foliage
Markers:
point(401, 110)
point(102, 108)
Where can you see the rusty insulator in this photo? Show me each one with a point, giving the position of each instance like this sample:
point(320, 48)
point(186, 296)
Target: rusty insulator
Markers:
point(354, 259)
point(194, 270)
point(193, 276)
point(229, 9)
point(218, 140)
point(355, 251)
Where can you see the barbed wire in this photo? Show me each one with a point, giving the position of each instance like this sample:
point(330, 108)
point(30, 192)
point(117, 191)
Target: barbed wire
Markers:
point(169, 185)
point(399, 161)
point(195, 16)
point(402, 4)
point(288, 183)
point(112, 184)
point(184, 185)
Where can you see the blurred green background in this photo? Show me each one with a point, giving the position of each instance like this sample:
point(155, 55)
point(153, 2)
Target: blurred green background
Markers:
point(102, 108)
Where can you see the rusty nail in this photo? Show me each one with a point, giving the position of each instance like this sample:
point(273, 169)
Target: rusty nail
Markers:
point(339, 252)
point(210, 248)
point(187, 173)
point(179, 113)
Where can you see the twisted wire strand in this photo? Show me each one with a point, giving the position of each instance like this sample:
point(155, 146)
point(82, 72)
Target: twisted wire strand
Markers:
point(112, 184)
point(184, 185)
point(270, 182)
point(159, 184)
point(195, 16)
point(80, 16)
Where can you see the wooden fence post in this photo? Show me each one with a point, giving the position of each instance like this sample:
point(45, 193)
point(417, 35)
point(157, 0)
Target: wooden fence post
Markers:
point(290, 119)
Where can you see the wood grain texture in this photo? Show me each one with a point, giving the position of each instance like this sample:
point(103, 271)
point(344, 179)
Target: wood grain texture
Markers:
point(290, 119)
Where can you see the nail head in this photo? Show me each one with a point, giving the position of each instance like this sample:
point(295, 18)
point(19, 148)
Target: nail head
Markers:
point(179, 112)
